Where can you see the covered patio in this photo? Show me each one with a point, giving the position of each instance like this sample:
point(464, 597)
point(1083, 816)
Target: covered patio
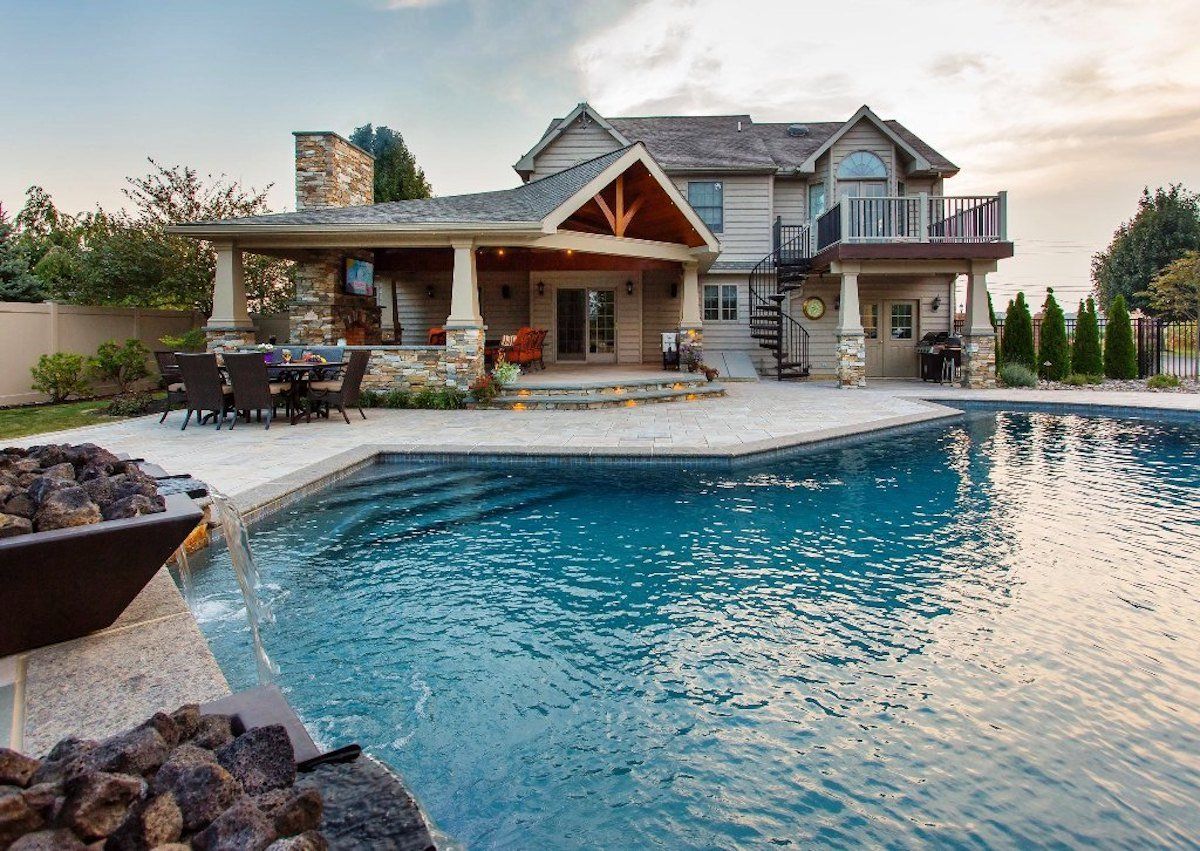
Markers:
point(604, 257)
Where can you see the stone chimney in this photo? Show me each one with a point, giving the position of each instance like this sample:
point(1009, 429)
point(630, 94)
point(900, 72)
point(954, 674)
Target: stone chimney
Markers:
point(331, 171)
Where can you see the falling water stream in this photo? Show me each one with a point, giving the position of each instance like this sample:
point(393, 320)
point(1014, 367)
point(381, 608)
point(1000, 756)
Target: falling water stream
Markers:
point(258, 611)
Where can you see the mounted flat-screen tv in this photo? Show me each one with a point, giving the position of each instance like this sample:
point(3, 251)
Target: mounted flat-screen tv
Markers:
point(360, 277)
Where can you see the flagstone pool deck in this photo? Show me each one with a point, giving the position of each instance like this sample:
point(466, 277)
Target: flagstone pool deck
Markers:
point(155, 657)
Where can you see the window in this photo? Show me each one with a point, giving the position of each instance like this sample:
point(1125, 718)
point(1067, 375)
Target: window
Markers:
point(720, 302)
point(707, 198)
point(902, 321)
point(862, 165)
point(870, 320)
point(816, 201)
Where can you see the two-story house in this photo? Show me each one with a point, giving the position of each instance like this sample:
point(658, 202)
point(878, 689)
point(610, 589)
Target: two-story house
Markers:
point(822, 249)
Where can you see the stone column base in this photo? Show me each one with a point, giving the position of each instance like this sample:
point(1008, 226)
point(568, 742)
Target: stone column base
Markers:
point(851, 360)
point(220, 339)
point(979, 362)
point(462, 362)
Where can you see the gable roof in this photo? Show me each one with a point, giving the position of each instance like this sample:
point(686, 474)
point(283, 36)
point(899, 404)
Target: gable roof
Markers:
point(715, 142)
point(559, 125)
point(539, 205)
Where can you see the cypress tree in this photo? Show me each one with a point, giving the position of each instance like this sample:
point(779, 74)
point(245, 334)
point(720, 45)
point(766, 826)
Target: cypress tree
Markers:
point(1052, 346)
point(1085, 356)
point(1120, 354)
point(1017, 345)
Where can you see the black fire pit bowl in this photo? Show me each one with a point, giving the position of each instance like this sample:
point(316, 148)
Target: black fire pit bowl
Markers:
point(66, 583)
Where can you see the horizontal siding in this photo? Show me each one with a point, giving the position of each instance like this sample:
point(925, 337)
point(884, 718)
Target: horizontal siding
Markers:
point(660, 312)
point(418, 312)
point(504, 315)
point(791, 201)
point(865, 136)
point(823, 336)
point(728, 336)
point(747, 200)
point(577, 143)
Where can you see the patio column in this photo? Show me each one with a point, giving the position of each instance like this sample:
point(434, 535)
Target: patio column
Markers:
point(229, 325)
point(979, 337)
point(464, 293)
point(851, 344)
point(462, 359)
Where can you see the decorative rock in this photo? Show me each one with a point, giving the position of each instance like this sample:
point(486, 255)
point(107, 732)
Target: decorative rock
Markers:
point(261, 759)
point(139, 751)
point(242, 827)
point(20, 505)
point(11, 525)
point(96, 802)
point(63, 760)
point(16, 769)
point(292, 811)
point(16, 817)
point(148, 825)
point(212, 731)
point(64, 508)
point(129, 484)
point(187, 719)
point(89, 455)
point(166, 727)
point(45, 798)
point(203, 790)
point(48, 840)
point(310, 841)
point(134, 506)
point(64, 471)
point(43, 486)
point(101, 490)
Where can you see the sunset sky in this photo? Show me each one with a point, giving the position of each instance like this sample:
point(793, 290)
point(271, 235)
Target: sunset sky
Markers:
point(1070, 105)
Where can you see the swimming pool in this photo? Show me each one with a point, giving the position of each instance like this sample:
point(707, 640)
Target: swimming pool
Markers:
point(986, 632)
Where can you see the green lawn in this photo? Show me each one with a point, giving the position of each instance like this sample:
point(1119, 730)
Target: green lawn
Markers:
point(35, 419)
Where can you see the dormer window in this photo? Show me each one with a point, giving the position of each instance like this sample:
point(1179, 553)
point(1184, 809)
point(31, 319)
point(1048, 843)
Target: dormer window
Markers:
point(862, 165)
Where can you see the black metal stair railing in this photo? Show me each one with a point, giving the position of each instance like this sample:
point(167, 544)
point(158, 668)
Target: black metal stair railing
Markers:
point(771, 280)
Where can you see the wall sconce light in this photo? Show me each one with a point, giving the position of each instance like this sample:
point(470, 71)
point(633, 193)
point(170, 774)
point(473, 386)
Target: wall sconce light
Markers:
point(629, 288)
point(837, 302)
point(936, 303)
point(429, 291)
point(674, 290)
point(505, 291)
point(541, 287)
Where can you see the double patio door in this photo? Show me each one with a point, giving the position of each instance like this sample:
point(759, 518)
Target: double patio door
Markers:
point(586, 325)
point(890, 329)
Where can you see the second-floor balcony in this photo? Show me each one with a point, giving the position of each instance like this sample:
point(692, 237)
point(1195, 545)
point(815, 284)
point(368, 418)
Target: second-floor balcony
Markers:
point(912, 220)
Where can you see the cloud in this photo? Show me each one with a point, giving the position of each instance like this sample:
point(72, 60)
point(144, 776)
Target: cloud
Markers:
point(411, 4)
point(955, 64)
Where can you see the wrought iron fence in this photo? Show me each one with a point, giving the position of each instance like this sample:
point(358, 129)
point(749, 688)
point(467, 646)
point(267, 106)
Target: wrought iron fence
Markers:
point(1169, 348)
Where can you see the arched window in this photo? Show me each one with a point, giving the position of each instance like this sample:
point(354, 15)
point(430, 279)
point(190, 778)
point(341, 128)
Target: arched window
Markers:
point(862, 165)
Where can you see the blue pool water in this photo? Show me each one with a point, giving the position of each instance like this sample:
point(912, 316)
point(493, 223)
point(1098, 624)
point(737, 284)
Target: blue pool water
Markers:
point(982, 633)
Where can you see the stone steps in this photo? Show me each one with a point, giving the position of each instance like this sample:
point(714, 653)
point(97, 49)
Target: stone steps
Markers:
point(621, 396)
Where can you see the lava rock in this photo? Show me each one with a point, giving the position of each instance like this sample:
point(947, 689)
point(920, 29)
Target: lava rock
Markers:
point(293, 811)
point(47, 455)
point(261, 758)
point(16, 769)
point(45, 798)
point(88, 455)
point(59, 839)
point(202, 788)
point(97, 802)
point(101, 490)
point(213, 731)
point(166, 727)
point(139, 751)
point(129, 484)
point(12, 525)
point(134, 506)
point(64, 759)
point(187, 719)
point(64, 471)
point(21, 505)
point(308, 841)
point(43, 486)
point(242, 827)
point(17, 817)
point(148, 825)
point(64, 508)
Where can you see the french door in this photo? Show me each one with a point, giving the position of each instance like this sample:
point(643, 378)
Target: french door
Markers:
point(586, 325)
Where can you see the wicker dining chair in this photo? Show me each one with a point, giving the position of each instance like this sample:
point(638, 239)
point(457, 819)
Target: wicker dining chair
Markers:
point(203, 388)
point(341, 393)
point(252, 391)
point(168, 369)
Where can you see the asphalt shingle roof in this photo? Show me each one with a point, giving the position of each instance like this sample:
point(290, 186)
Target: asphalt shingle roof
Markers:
point(529, 202)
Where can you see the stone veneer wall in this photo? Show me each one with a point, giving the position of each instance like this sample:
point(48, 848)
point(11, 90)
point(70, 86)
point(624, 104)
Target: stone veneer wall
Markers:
point(404, 367)
point(332, 172)
point(979, 362)
point(219, 340)
point(463, 358)
point(851, 360)
point(320, 310)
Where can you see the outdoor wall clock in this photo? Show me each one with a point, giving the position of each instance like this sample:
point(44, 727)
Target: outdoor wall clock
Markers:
point(813, 307)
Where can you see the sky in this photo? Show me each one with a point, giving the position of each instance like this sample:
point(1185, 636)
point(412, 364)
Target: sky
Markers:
point(1070, 105)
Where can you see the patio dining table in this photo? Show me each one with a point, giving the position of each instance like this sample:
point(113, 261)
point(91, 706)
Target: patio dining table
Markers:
point(295, 374)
